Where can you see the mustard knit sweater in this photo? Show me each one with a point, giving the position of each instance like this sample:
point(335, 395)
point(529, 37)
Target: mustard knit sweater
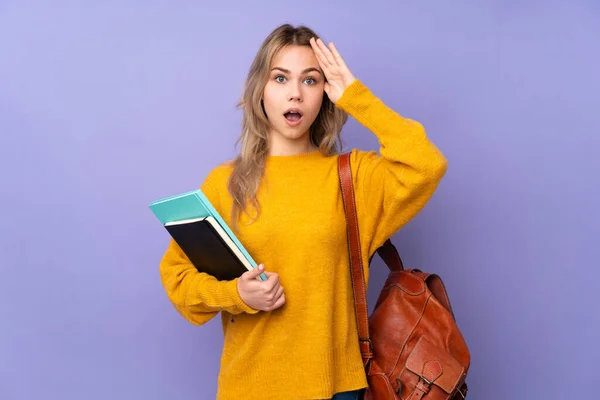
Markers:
point(308, 348)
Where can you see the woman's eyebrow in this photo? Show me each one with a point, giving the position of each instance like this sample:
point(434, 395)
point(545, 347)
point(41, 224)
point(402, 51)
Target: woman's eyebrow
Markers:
point(287, 71)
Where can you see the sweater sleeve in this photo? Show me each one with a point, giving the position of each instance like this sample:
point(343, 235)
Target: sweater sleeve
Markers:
point(198, 296)
point(390, 188)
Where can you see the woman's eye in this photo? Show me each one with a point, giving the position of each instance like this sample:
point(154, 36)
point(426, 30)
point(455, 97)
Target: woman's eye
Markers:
point(281, 79)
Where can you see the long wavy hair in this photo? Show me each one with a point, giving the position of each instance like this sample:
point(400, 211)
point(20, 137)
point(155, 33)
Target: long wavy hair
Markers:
point(249, 164)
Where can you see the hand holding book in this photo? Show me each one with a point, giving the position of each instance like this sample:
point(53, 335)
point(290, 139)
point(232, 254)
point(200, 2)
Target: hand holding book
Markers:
point(261, 295)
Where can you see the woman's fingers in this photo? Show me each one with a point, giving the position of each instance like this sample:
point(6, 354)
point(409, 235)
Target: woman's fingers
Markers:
point(277, 304)
point(320, 57)
point(277, 300)
point(326, 53)
point(324, 62)
point(336, 55)
point(279, 293)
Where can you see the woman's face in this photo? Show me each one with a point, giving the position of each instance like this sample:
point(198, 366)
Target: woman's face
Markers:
point(295, 82)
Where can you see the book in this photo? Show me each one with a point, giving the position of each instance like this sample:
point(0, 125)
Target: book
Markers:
point(208, 247)
point(203, 235)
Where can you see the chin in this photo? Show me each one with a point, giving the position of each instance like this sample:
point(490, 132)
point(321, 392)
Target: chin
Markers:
point(294, 134)
point(290, 132)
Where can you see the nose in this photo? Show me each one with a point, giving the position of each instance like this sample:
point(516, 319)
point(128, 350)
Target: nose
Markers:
point(295, 93)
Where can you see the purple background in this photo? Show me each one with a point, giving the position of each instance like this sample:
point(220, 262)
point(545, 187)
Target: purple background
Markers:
point(106, 106)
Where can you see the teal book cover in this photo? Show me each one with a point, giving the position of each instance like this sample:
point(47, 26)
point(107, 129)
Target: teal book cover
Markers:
point(194, 204)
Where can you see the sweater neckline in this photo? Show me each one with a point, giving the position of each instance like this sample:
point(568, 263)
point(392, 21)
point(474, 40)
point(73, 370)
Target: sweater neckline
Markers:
point(301, 157)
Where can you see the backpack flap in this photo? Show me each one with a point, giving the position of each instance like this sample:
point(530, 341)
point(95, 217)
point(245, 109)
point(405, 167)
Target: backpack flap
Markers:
point(435, 366)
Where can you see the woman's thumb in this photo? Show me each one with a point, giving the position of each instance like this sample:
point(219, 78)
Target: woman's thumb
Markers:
point(254, 272)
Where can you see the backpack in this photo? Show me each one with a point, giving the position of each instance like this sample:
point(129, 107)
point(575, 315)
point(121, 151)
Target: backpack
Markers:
point(411, 346)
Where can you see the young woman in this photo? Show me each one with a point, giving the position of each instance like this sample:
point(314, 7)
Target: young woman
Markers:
point(294, 336)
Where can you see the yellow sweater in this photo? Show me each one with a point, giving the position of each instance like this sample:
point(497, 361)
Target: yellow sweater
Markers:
point(308, 348)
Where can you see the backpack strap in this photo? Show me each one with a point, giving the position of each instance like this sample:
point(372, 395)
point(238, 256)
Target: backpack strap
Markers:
point(389, 255)
point(356, 265)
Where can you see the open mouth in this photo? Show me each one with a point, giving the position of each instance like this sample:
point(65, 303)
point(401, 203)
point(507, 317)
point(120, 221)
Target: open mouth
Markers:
point(292, 116)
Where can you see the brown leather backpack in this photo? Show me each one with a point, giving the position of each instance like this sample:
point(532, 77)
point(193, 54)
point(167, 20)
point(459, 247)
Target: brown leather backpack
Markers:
point(411, 346)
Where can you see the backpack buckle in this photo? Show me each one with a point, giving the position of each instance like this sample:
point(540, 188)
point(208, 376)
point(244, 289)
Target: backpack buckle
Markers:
point(426, 387)
point(369, 344)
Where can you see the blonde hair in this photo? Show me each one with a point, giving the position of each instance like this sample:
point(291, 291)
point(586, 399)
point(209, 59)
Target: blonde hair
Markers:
point(249, 164)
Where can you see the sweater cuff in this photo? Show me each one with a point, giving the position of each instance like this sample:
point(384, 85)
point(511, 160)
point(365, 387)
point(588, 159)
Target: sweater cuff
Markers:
point(354, 90)
point(232, 291)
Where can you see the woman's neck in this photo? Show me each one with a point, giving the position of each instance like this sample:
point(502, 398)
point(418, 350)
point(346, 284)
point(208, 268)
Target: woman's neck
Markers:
point(291, 150)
